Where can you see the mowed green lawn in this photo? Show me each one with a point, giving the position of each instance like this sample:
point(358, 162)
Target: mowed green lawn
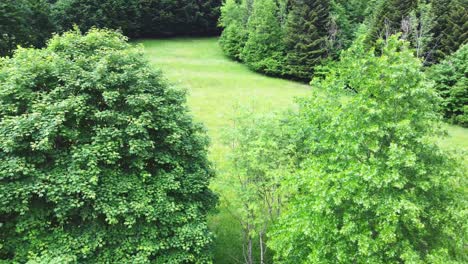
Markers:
point(216, 85)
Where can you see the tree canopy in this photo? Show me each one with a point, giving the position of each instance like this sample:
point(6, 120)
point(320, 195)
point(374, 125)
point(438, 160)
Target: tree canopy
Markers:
point(373, 186)
point(100, 161)
point(31, 22)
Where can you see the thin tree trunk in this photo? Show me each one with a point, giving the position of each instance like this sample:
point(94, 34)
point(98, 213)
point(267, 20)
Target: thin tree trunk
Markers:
point(250, 253)
point(262, 251)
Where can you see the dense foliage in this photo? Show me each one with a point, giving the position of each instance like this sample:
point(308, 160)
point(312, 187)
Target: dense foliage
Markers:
point(388, 18)
point(99, 160)
point(139, 18)
point(234, 17)
point(31, 22)
point(451, 81)
point(345, 18)
point(450, 29)
point(374, 187)
point(263, 50)
point(120, 14)
point(278, 38)
point(24, 22)
point(305, 37)
point(260, 156)
point(295, 36)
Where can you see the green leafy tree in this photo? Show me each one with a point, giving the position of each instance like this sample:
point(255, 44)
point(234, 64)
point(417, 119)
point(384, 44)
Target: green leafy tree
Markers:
point(451, 81)
point(264, 49)
point(450, 30)
point(260, 156)
point(100, 161)
point(305, 37)
point(417, 28)
point(25, 23)
point(374, 186)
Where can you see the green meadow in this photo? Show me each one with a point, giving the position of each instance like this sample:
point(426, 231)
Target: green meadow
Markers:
point(217, 85)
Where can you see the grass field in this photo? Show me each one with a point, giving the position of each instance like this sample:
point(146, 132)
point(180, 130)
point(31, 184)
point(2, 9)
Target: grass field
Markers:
point(215, 86)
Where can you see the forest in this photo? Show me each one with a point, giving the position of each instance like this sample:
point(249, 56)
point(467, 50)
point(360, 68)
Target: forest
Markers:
point(233, 131)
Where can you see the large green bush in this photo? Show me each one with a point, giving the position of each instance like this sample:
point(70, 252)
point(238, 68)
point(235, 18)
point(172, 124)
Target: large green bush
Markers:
point(100, 161)
point(451, 81)
point(374, 186)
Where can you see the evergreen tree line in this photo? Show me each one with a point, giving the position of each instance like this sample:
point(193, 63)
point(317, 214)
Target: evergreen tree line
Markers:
point(290, 38)
point(32, 22)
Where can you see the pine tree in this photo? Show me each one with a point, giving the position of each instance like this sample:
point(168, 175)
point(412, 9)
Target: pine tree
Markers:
point(233, 19)
point(264, 50)
point(210, 13)
point(388, 18)
point(306, 36)
point(451, 27)
point(347, 15)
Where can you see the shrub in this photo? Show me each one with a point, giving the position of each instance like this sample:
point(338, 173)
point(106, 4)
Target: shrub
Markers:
point(451, 82)
point(100, 161)
point(374, 186)
point(233, 40)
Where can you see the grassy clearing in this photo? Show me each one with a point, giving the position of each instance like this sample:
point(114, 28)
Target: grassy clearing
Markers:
point(215, 86)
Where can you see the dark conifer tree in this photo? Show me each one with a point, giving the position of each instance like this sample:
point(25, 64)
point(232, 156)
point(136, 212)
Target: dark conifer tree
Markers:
point(450, 29)
point(306, 36)
point(210, 12)
point(346, 16)
point(388, 18)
